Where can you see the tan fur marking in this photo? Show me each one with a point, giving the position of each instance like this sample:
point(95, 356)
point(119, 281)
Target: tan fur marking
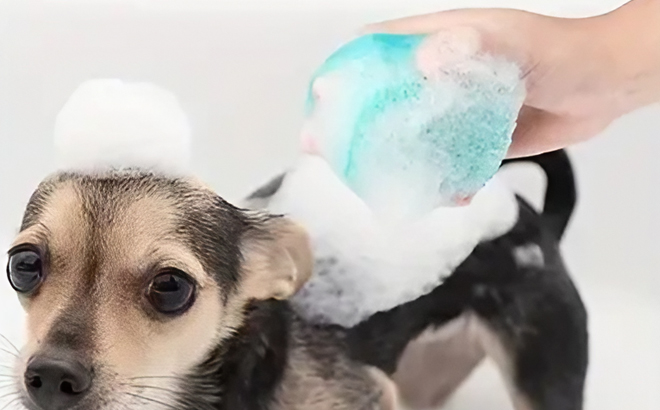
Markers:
point(436, 363)
point(496, 350)
point(306, 387)
point(390, 393)
point(133, 343)
point(61, 228)
point(278, 267)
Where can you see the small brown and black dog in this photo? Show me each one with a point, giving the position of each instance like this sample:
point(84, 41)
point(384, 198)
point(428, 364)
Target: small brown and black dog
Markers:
point(145, 291)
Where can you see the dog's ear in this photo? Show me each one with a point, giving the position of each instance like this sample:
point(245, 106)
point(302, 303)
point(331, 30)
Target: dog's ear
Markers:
point(277, 260)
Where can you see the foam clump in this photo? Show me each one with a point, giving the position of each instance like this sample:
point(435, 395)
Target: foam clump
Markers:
point(413, 122)
point(108, 123)
point(364, 266)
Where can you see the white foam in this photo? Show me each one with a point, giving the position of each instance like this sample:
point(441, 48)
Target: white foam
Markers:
point(365, 266)
point(111, 123)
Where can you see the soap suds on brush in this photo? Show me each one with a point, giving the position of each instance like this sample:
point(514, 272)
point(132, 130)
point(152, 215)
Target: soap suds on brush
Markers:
point(411, 123)
point(108, 123)
point(364, 266)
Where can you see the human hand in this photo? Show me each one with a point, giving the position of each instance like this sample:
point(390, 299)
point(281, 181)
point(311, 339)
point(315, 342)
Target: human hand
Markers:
point(580, 74)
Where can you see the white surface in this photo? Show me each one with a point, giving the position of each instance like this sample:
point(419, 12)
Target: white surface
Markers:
point(240, 69)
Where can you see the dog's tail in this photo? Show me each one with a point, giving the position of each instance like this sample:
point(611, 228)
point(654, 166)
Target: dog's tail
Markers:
point(560, 193)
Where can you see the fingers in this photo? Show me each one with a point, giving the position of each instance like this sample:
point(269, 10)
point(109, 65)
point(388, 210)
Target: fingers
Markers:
point(537, 132)
point(430, 23)
point(533, 42)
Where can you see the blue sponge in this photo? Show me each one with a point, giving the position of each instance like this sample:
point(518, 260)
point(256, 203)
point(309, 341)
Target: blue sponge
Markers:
point(413, 122)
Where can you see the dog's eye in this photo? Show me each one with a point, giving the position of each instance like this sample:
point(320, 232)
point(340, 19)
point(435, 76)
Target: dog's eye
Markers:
point(171, 292)
point(25, 270)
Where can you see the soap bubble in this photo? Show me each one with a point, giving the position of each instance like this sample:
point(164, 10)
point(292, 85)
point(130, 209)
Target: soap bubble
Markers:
point(112, 123)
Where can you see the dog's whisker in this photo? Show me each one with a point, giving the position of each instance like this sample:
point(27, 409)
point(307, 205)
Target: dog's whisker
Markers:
point(6, 339)
point(156, 377)
point(8, 394)
point(5, 382)
point(124, 406)
point(2, 349)
point(144, 386)
point(11, 402)
point(139, 396)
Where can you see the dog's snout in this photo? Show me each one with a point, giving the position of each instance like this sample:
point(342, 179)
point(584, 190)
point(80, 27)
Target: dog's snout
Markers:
point(57, 383)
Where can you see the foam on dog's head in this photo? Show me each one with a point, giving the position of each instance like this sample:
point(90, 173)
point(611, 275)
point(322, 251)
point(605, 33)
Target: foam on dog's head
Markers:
point(109, 123)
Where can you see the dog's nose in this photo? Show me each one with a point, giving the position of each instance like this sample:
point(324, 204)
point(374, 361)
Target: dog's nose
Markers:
point(57, 383)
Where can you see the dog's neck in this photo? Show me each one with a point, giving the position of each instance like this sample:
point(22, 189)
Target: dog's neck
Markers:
point(244, 373)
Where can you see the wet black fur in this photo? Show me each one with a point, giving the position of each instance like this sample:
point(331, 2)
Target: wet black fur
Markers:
point(244, 373)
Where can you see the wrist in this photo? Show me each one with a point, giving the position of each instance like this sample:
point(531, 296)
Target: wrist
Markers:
point(630, 38)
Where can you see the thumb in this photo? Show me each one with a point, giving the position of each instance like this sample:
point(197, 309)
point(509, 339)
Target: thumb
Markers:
point(540, 131)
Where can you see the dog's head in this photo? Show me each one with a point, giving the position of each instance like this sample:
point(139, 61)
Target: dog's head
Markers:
point(131, 279)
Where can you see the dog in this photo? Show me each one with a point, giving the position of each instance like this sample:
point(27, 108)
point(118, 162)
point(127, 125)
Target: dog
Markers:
point(146, 291)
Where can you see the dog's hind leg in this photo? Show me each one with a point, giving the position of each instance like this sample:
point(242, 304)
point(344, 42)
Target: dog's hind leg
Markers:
point(540, 346)
point(435, 364)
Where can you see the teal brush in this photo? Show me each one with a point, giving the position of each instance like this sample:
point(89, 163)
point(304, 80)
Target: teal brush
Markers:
point(412, 122)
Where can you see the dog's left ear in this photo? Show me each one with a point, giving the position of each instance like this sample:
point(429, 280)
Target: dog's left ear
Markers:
point(277, 260)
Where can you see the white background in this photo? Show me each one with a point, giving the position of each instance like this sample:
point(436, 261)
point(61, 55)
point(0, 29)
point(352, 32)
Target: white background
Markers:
point(240, 68)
